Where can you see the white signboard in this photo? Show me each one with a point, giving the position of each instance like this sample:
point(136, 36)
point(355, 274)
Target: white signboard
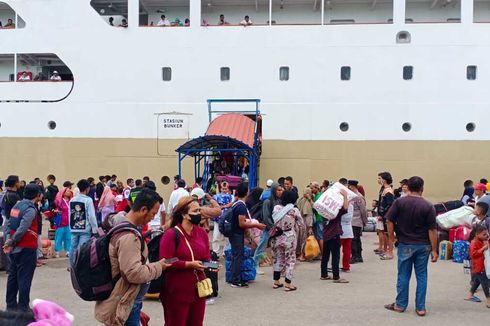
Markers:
point(173, 126)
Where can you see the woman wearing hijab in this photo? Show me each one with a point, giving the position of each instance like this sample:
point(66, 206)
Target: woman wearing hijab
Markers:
point(304, 227)
point(107, 203)
point(284, 244)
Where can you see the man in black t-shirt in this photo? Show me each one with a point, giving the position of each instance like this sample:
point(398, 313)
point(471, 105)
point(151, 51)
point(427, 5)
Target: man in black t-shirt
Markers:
point(413, 219)
point(240, 222)
point(10, 198)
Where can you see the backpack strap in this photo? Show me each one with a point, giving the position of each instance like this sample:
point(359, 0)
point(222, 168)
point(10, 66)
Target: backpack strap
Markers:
point(126, 226)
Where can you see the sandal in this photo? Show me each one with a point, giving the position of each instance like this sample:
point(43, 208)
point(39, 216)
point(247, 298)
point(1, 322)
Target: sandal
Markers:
point(386, 257)
point(290, 288)
point(421, 313)
point(341, 281)
point(277, 286)
point(326, 278)
point(394, 307)
point(473, 299)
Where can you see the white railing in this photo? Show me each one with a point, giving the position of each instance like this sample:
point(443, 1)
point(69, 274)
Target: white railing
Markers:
point(35, 91)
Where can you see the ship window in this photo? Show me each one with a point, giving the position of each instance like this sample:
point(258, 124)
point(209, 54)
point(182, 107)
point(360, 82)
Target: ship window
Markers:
point(114, 13)
point(407, 126)
point(225, 73)
point(167, 73)
point(471, 72)
point(9, 18)
point(470, 127)
point(345, 73)
point(407, 72)
point(403, 37)
point(284, 73)
point(7, 64)
point(344, 126)
point(52, 125)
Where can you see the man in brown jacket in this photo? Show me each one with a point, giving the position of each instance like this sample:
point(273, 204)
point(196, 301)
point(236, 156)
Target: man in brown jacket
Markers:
point(128, 262)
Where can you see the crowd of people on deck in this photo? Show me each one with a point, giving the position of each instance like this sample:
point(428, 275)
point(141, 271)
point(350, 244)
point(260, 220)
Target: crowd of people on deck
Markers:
point(276, 223)
point(9, 25)
point(26, 76)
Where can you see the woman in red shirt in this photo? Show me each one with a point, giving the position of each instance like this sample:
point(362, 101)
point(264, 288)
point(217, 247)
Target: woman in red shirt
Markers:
point(181, 303)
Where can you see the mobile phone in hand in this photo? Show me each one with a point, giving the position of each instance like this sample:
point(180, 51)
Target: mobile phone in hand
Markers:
point(211, 264)
point(171, 260)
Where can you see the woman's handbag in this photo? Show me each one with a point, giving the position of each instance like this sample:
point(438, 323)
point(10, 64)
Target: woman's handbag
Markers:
point(204, 287)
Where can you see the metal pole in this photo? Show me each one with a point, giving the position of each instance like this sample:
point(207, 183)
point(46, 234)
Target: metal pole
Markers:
point(323, 12)
point(15, 67)
point(270, 12)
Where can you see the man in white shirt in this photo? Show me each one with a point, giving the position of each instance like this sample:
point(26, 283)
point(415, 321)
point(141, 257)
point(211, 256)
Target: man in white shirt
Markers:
point(176, 195)
point(246, 21)
point(55, 76)
point(163, 21)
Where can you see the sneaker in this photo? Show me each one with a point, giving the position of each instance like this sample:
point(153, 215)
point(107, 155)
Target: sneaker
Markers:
point(345, 270)
point(260, 272)
point(67, 254)
point(57, 255)
point(239, 285)
point(210, 301)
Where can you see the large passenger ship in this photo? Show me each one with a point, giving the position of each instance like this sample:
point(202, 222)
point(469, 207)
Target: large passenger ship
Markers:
point(346, 87)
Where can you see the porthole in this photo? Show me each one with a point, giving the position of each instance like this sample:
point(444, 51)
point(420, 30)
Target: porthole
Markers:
point(407, 126)
point(165, 180)
point(403, 37)
point(52, 125)
point(344, 126)
point(470, 127)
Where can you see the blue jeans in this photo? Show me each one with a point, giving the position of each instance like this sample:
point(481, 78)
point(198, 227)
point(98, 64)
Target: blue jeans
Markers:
point(62, 238)
point(21, 272)
point(77, 240)
point(416, 256)
point(134, 315)
point(264, 238)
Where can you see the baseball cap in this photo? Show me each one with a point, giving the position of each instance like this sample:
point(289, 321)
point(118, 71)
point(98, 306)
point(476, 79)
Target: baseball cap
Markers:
point(198, 193)
point(480, 186)
point(269, 183)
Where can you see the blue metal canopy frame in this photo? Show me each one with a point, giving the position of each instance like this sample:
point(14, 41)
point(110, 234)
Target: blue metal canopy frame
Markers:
point(201, 148)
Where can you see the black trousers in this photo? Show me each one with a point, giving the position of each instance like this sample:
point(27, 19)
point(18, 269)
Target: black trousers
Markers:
point(21, 272)
point(237, 251)
point(481, 278)
point(331, 246)
point(356, 243)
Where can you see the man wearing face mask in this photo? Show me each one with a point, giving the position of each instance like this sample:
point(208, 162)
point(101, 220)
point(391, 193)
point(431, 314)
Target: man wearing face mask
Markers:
point(124, 305)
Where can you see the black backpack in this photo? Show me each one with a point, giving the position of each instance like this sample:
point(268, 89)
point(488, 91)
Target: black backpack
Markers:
point(91, 272)
point(154, 255)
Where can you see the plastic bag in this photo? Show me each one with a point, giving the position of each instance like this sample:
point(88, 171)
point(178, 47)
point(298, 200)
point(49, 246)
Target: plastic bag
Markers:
point(487, 262)
point(330, 202)
point(462, 216)
point(312, 248)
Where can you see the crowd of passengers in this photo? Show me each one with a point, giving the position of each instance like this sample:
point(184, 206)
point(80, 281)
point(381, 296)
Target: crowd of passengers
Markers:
point(10, 24)
point(27, 76)
point(165, 22)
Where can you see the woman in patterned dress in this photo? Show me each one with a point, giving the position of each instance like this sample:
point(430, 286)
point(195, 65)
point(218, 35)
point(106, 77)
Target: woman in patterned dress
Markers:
point(284, 245)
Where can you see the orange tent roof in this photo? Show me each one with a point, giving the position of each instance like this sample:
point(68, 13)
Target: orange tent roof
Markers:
point(233, 125)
